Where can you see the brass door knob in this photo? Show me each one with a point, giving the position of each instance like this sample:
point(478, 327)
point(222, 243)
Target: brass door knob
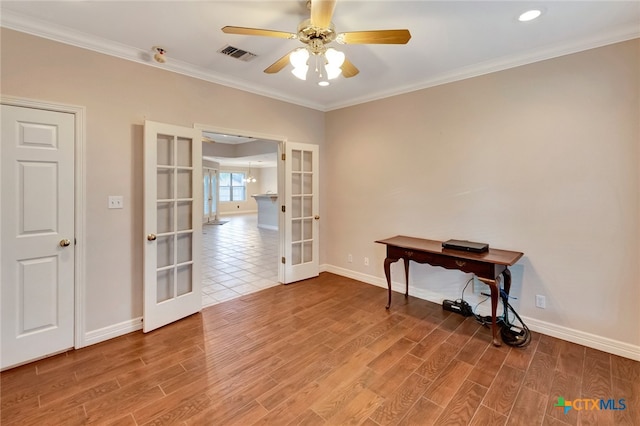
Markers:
point(151, 237)
point(65, 243)
point(317, 217)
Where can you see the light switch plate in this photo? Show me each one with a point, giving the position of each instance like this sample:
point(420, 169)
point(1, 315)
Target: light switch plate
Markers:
point(116, 202)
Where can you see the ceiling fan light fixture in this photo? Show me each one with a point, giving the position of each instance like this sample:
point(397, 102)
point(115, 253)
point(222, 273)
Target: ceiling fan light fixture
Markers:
point(334, 60)
point(299, 57)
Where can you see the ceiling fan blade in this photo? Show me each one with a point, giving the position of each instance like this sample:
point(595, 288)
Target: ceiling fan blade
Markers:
point(322, 12)
point(375, 37)
point(257, 32)
point(278, 65)
point(348, 69)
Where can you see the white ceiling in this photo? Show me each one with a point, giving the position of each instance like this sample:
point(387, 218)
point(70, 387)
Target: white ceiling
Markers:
point(451, 40)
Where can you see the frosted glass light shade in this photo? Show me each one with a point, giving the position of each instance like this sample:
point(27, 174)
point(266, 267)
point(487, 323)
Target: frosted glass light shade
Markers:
point(299, 57)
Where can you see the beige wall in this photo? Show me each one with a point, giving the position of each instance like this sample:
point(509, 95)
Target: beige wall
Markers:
point(542, 159)
point(119, 95)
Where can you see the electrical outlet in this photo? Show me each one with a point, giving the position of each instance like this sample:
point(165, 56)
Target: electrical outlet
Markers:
point(366, 261)
point(350, 258)
point(541, 301)
point(116, 202)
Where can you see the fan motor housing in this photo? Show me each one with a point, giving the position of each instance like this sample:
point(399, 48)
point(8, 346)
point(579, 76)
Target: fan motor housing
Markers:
point(307, 32)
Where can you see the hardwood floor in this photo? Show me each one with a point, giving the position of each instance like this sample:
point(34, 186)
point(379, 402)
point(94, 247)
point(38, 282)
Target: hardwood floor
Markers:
point(322, 351)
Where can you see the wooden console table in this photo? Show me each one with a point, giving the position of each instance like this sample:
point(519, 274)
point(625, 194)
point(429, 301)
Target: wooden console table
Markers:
point(487, 266)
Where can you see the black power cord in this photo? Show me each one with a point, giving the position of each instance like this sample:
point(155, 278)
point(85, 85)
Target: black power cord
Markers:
point(512, 335)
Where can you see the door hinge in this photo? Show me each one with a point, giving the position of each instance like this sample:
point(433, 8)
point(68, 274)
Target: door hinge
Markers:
point(283, 260)
point(284, 157)
point(283, 209)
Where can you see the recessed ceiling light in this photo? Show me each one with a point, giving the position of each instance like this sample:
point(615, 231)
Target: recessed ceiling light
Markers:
point(323, 83)
point(529, 15)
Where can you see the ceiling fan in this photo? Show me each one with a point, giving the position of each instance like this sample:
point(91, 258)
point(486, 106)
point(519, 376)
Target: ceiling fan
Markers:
point(316, 33)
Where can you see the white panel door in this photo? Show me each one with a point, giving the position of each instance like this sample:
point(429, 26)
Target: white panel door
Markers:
point(173, 223)
point(37, 232)
point(302, 212)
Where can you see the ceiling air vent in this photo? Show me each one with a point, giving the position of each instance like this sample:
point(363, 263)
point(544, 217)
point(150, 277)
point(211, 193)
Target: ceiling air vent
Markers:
point(234, 52)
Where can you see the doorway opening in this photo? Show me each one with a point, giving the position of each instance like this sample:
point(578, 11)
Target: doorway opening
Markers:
point(239, 253)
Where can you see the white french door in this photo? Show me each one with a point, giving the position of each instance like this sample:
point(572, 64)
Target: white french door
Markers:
point(302, 212)
point(37, 229)
point(210, 180)
point(172, 222)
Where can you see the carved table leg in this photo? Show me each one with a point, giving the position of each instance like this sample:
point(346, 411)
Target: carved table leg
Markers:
point(406, 277)
point(494, 286)
point(387, 273)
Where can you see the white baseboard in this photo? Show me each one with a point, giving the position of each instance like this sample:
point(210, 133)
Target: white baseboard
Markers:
point(115, 330)
point(604, 344)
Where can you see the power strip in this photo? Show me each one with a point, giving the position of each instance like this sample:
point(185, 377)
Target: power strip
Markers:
point(458, 306)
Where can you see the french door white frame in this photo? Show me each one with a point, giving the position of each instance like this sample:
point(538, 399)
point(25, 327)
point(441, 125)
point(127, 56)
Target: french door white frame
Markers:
point(79, 113)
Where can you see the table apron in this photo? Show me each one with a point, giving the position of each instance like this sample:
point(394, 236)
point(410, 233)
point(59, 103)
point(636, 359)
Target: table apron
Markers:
point(481, 269)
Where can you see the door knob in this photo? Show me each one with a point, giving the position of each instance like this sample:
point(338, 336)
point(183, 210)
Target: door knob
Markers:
point(151, 237)
point(65, 243)
point(317, 217)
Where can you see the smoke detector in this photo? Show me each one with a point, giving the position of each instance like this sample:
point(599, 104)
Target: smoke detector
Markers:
point(159, 55)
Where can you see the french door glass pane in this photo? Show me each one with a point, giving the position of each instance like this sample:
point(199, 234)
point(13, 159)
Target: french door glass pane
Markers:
point(185, 242)
point(184, 279)
point(307, 206)
point(184, 184)
point(296, 253)
point(296, 184)
point(296, 160)
point(165, 217)
point(184, 152)
point(165, 150)
point(296, 207)
point(307, 252)
point(185, 215)
point(165, 184)
point(165, 251)
point(165, 285)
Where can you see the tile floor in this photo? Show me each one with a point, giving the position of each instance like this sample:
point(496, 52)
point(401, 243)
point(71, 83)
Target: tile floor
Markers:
point(237, 258)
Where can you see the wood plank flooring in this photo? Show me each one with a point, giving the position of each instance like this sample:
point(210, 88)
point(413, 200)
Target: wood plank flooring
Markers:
point(320, 352)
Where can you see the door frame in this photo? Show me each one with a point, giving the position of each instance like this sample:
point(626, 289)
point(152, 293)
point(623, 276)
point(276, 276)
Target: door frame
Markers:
point(280, 170)
point(79, 113)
